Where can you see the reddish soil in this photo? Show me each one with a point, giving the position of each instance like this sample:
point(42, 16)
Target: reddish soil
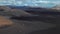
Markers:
point(4, 21)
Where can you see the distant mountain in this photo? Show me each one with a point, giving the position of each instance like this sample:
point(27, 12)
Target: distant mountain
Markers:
point(28, 8)
point(57, 7)
point(32, 10)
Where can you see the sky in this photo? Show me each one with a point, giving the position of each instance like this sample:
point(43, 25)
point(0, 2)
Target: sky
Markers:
point(38, 3)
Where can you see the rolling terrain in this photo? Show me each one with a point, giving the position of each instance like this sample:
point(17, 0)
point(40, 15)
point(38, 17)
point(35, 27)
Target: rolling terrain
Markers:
point(43, 23)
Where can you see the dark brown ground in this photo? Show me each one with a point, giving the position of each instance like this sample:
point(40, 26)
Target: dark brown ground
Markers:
point(32, 27)
point(37, 25)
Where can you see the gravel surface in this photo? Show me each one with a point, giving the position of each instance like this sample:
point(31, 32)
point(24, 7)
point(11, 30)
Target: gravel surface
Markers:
point(32, 26)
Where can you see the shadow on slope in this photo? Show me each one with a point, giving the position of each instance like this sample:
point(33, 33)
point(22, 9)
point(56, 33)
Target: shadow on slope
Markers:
point(43, 18)
point(48, 31)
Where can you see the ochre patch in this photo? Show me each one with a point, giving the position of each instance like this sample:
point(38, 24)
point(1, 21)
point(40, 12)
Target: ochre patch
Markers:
point(5, 22)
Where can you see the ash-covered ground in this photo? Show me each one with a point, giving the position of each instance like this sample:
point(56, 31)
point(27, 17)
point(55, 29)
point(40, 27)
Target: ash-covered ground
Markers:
point(42, 24)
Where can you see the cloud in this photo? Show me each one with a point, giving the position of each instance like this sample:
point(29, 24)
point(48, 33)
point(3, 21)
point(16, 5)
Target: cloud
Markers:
point(47, 2)
point(21, 2)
